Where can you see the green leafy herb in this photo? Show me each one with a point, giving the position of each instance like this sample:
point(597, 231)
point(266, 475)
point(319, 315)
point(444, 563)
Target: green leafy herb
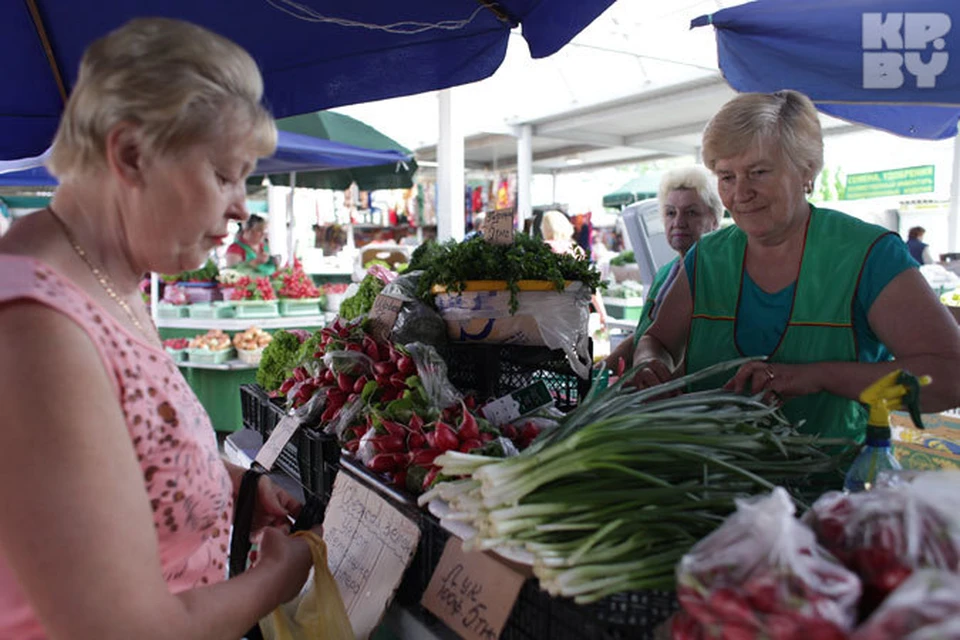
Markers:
point(361, 303)
point(279, 358)
point(453, 263)
point(622, 259)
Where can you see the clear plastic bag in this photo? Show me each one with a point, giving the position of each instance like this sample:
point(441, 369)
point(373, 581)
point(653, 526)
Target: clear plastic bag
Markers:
point(885, 534)
point(432, 370)
point(925, 607)
point(352, 363)
point(762, 571)
point(318, 612)
point(417, 321)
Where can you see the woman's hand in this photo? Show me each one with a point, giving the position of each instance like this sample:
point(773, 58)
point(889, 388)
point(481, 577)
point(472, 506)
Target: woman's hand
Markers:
point(652, 372)
point(780, 381)
point(290, 557)
point(273, 506)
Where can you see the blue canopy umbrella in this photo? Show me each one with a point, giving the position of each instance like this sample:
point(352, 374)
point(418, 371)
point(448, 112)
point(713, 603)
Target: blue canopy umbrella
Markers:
point(889, 64)
point(314, 54)
point(295, 152)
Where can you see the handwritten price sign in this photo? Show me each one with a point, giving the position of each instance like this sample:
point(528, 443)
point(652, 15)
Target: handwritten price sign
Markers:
point(498, 228)
point(472, 592)
point(383, 315)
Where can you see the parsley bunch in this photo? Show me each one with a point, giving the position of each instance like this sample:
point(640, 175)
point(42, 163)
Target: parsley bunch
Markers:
point(452, 264)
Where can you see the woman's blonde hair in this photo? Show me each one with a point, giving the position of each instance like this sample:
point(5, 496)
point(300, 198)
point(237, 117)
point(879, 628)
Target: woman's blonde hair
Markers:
point(786, 119)
point(696, 178)
point(180, 82)
point(556, 226)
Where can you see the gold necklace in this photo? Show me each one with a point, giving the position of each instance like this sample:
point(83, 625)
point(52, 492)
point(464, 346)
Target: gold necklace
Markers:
point(100, 275)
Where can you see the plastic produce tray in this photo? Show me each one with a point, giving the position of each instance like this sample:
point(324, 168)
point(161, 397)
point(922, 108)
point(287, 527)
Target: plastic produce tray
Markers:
point(205, 356)
point(171, 311)
point(212, 310)
point(178, 355)
point(301, 307)
point(493, 371)
point(257, 309)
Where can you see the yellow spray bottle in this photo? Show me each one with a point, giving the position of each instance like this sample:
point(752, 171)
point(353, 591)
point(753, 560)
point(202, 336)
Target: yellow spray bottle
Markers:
point(897, 390)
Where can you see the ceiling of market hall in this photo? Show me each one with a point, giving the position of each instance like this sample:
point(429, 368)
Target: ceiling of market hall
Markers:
point(637, 84)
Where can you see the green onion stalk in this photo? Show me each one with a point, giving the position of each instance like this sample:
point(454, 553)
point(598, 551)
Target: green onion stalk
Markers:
point(611, 499)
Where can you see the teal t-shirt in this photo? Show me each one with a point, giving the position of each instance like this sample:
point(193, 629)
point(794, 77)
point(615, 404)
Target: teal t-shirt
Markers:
point(762, 317)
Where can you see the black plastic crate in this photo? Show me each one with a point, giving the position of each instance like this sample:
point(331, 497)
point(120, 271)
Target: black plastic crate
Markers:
point(260, 412)
point(494, 370)
point(318, 458)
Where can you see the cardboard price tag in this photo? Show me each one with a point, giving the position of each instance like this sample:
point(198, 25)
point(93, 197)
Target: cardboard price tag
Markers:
point(383, 315)
point(472, 592)
point(279, 437)
point(369, 546)
point(498, 227)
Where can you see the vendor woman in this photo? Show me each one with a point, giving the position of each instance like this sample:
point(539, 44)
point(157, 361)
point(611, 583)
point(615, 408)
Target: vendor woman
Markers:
point(689, 208)
point(827, 298)
point(250, 251)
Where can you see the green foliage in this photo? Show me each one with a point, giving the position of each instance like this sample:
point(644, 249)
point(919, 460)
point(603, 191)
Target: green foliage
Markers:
point(452, 264)
point(206, 273)
point(623, 259)
point(279, 358)
point(361, 303)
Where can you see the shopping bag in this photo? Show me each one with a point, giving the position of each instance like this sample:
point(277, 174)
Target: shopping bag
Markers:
point(318, 612)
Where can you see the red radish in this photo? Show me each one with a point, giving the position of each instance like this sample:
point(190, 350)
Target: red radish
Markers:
point(424, 457)
point(431, 437)
point(400, 479)
point(445, 438)
point(384, 368)
point(352, 445)
point(287, 385)
point(382, 463)
point(431, 476)
point(487, 437)
point(416, 423)
point(300, 374)
point(416, 441)
point(406, 366)
point(345, 383)
point(394, 428)
point(388, 443)
point(470, 445)
point(510, 431)
point(469, 429)
point(359, 383)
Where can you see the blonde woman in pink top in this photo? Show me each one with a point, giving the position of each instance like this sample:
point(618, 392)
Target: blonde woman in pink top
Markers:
point(117, 507)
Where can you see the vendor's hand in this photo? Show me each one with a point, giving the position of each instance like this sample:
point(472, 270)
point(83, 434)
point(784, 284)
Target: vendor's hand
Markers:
point(778, 381)
point(291, 557)
point(273, 506)
point(652, 372)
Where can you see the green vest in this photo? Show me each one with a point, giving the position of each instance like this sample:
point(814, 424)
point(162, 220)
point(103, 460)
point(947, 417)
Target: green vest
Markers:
point(646, 313)
point(820, 327)
point(265, 269)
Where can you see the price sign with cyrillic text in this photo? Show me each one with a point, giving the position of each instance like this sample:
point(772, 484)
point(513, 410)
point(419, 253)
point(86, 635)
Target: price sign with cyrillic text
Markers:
point(473, 593)
point(499, 227)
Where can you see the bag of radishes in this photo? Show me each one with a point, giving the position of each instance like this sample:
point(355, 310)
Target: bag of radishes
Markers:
point(762, 574)
point(925, 607)
point(885, 534)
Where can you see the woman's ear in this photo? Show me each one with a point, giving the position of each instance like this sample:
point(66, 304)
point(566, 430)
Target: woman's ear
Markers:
point(124, 153)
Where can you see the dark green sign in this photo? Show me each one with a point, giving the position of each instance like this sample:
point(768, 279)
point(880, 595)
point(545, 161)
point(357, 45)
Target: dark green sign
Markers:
point(894, 182)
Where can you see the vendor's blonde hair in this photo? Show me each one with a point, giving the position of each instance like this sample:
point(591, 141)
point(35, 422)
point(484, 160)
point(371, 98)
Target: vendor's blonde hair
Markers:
point(180, 82)
point(696, 178)
point(786, 118)
point(556, 226)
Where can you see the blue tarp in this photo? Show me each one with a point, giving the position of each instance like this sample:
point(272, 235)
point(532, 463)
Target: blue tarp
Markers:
point(890, 64)
point(314, 54)
point(295, 152)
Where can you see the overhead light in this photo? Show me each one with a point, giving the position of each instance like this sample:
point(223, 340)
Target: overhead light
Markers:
point(574, 161)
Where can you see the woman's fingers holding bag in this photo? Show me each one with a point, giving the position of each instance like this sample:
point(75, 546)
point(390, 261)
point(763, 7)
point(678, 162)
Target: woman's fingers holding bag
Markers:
point(291, 557)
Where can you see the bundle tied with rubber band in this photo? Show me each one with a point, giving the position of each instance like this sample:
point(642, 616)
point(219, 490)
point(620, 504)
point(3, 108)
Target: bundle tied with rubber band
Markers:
point(318, 613)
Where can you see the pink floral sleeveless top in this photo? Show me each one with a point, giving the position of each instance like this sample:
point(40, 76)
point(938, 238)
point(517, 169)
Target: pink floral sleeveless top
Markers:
point(189, 488)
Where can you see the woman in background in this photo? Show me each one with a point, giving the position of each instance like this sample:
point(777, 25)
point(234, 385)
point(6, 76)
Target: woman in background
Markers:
point(919, 250)
point(250, 252)
point(557, 232)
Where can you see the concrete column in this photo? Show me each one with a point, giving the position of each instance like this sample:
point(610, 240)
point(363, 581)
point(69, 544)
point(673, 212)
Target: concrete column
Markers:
point(524, 171)
point(450, 210)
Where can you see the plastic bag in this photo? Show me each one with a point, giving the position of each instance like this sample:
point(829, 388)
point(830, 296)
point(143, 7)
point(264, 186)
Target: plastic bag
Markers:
point(318, 612)
point(924, 607)
point(432, 370)
point(884, 534)
point(417, 321)
point(560, 318)
point(762, 571)
point(352, 363)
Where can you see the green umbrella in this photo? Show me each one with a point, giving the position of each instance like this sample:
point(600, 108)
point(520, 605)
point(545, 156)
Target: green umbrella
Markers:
point(340, 128)
point(638, 189)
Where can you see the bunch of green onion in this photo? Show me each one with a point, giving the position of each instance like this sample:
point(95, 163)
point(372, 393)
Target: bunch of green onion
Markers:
point(629, 482)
